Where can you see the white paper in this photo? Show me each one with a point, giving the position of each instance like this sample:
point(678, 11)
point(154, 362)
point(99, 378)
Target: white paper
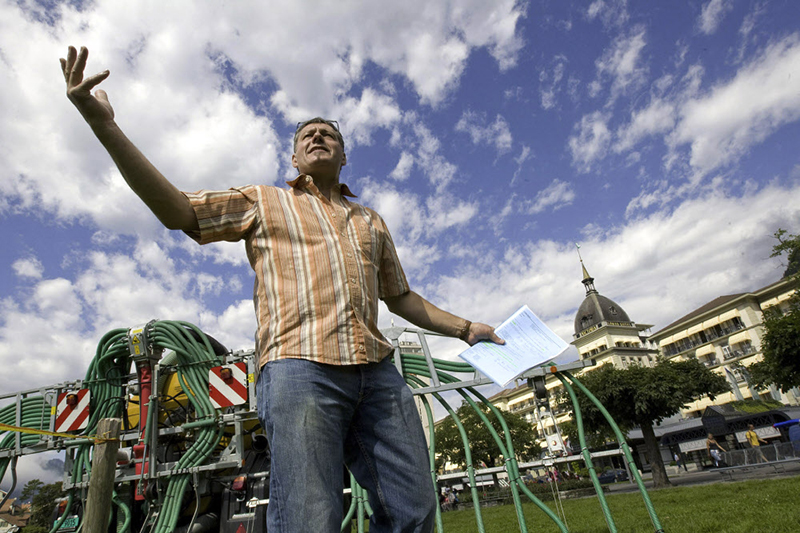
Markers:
point(529, 343)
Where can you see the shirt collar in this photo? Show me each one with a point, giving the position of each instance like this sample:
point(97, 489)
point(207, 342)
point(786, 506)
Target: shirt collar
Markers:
point(304, 180)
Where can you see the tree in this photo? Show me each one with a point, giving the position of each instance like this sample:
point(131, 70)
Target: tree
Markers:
point(780, 345)
point(482, 445)
point(790, 245)
point(642, 396)
point(30, 489)
point(42, 505)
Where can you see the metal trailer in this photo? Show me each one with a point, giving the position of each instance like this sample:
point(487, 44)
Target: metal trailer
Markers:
point(194, 456)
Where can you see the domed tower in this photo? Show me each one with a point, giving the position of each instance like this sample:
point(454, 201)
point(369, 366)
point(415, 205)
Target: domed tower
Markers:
point(605, 333)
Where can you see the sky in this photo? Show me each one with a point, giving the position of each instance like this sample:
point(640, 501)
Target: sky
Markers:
point(491, 136)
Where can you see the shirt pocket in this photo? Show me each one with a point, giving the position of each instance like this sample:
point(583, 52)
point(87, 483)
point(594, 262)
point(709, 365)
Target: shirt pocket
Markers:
point(368, 237)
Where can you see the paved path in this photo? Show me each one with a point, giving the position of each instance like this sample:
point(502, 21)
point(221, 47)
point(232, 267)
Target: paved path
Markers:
point(710, 476)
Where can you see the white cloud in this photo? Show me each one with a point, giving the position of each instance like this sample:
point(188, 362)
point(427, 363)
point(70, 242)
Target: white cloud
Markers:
point(591, 140)
point(658, 117)
point(496, 133)
point(657, 267)
point(722, 125)
point(177, 74)
point(370, 112)
point(555, 196)
point(622, 63)
point(437, 168)
point(712, 14)
point(28, 267)
point(57, 322)
point(612, 13)
point(550, 83)
point(403, 168)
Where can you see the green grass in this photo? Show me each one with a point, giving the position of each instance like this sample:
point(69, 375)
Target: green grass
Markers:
point(746, 506)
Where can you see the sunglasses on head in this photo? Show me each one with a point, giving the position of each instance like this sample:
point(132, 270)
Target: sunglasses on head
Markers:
point(333, 123)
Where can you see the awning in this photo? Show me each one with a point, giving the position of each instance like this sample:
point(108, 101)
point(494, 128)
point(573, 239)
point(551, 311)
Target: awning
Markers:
point(776, 300)
point(769, 303)
point(739, 337)
point(692, 445)
point(711, 322)
point(768, 432)
point(697, 328)
point(665, 341)
point(596, 344)
point(727, 315)
point(680, 335)
point(705, 350)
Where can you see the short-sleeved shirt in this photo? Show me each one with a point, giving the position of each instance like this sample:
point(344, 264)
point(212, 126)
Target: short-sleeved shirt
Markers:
point(752, 438)
point(321, 265)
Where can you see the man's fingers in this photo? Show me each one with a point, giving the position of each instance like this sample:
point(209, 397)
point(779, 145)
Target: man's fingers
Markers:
point(101, 95)
point(89, 83)
point(72, 54)
point(76, 72)
point(64, 68)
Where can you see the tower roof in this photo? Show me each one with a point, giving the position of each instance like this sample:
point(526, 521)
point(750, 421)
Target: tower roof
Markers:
point(596, 308)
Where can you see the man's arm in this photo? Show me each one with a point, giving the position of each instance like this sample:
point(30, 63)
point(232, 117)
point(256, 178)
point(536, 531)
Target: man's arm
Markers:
point(424, 314)
point(171, 207)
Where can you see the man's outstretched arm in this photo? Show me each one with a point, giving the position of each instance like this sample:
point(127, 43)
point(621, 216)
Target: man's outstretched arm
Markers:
point(164, 199)
point(424, 314)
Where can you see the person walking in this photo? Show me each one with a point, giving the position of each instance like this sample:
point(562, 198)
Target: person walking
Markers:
point(715, 450)
point(755, 443)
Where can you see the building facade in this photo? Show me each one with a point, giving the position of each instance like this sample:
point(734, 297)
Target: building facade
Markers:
point(725, 334)
point(604, 334)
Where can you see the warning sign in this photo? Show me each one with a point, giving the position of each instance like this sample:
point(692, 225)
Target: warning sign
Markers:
point(72, 410)
point(227, 385)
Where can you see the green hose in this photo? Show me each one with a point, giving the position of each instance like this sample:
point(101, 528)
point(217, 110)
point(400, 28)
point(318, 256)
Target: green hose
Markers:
point(625, 449)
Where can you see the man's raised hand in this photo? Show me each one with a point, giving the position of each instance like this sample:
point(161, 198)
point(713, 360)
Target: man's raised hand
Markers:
point(95, 108)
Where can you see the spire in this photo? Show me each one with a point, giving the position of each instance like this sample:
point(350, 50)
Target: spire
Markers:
point(588, 281)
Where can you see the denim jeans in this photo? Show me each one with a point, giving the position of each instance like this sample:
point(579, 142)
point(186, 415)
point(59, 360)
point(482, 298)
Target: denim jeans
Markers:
point(320, 417)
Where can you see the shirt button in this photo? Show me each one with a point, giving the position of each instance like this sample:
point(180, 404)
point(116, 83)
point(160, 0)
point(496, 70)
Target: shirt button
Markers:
point(349, 255)
point(352, 280)
point(308, 179)
point(361, 348)
point(333, 215)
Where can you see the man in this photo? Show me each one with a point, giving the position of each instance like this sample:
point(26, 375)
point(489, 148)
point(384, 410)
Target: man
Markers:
point(327, 393)
point(755, 443)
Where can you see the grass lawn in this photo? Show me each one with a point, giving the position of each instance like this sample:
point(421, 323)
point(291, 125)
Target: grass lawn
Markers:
point(747, 506)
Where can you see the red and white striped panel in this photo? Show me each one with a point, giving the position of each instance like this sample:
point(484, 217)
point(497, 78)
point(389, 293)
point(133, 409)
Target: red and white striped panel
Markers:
point(72, 414)
point(231, 391)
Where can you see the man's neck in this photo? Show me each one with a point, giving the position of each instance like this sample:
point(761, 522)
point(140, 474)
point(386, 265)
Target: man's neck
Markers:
point(325, 184)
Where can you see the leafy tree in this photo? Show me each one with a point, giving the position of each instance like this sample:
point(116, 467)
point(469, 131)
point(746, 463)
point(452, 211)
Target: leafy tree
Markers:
point(642, 396)
point(790, 245)
point(780, 344)
point(482, 445)
point(30, 489)
point(42, 506)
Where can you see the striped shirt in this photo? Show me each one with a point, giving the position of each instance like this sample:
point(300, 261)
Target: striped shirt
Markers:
point(320, 266)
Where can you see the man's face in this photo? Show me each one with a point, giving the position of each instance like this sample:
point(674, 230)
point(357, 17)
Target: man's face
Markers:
point(318, 149)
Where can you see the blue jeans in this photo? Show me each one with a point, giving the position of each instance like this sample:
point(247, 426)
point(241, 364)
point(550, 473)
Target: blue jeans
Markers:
point(320, 417)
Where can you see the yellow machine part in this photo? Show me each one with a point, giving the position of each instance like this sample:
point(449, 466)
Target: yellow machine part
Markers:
point(171, 397)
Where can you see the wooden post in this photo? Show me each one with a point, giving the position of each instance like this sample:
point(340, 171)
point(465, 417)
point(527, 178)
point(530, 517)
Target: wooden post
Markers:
point(101, 483)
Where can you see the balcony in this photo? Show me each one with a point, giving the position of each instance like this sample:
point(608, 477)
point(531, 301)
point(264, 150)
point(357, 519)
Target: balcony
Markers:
point(735, 354)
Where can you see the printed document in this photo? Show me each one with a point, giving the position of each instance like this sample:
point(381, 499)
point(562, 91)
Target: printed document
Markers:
point(529, 343)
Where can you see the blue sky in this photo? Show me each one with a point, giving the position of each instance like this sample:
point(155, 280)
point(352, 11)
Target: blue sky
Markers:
point(492, 136)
